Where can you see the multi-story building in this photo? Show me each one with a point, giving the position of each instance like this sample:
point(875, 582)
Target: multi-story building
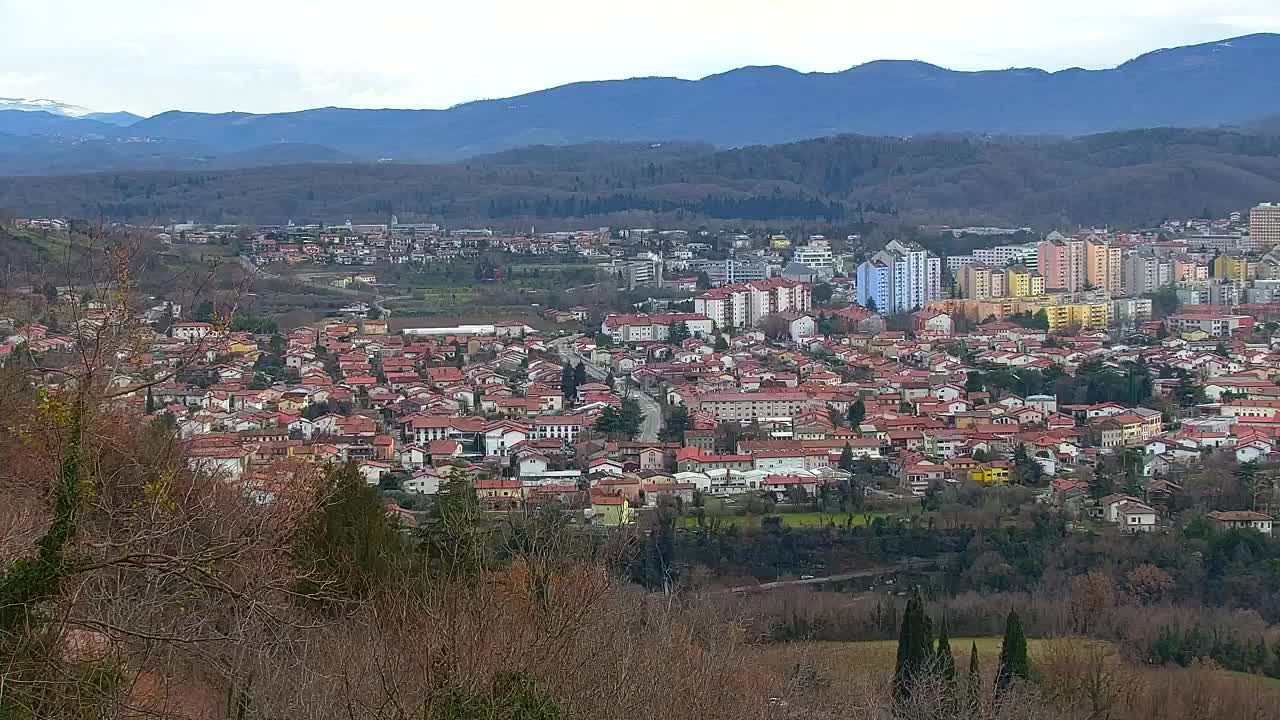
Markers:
point(874, 288)
point(817, 255)
point(1020, 282)
point(1062, 260)
point(746, 304)
point(1081, 315)
point(1215, 324)
point(754, 405)
point(732, 271)
point(1003, 255)
point(1264, 227)
point(1145, 273)
point(639, 328)
point(975, 282)
point(901, 278)
point(1104, 265)
point(1231, 267)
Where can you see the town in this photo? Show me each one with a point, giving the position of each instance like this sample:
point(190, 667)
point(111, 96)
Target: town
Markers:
point(794, 382)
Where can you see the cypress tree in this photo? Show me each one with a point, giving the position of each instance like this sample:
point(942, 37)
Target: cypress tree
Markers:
point(151, 403)
point(945, 665)
point(914, 648)
point(946, 662)
point(1013, 654)
point(975, 680)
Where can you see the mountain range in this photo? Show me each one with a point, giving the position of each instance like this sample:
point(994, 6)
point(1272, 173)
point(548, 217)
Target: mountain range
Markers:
point(1226, 83)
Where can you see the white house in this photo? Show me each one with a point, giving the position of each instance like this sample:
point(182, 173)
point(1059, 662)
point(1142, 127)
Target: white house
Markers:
point(1242, 520)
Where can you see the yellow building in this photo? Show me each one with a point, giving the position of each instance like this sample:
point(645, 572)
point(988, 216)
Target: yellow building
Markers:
point(1017, 282)
point(1231, 267)
point(1081, 315)
point(992, 473)
point(1021, 282)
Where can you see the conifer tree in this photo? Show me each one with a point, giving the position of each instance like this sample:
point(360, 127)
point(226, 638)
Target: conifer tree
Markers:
point(1013, 654)
point(914, 648)
point(945, 665)
point(975, 680)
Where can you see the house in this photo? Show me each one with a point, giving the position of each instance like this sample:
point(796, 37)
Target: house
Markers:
point(610, 511)
point(500, 494)
point(917, 478)
point(1242, 520)
point(373, 471)
point(1135, 517)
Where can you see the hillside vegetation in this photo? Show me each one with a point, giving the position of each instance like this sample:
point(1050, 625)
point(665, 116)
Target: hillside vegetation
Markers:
point(1132, 177)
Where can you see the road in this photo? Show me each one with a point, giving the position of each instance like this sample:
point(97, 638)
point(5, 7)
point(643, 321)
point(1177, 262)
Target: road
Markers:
point(651, 424)
point(905, 566)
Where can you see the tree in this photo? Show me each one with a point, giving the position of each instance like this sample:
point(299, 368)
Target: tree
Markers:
point(871, 304)
point(775, 327)
point(349, 543)
point(1221, 350)
point(914, 648)
point(455, 539)
point(822, 293)
point(721, 345)
point(676, 424)
point(975, 680)
point(857, 411)
point(1101, 484)
point(704, 281)
point(568, 386)
point(151, 402)
point(579, 375)
point(1014, 663)
point(945, 663)
point(846, 458)
point(679, 333)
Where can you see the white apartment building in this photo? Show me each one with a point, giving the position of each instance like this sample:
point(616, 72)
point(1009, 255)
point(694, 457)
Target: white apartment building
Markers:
point(817, 255)
point(745, 305)
point(640, 328)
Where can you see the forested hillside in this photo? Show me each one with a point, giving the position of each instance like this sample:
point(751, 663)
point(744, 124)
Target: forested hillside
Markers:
point(1132, 177)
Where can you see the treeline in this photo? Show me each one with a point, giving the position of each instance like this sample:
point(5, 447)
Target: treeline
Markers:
point(1133, 177)
point(753, 207)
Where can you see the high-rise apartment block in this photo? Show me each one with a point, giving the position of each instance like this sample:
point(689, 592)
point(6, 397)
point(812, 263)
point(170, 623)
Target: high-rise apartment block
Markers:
point(903, 277)
point(1062, 262)
point(1264, 227)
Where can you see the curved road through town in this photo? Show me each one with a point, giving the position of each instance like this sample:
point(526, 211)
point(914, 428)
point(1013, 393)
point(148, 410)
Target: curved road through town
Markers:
point(651, 424)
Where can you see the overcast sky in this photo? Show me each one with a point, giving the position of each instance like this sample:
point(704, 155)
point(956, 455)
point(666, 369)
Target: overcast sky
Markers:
point(147, 56)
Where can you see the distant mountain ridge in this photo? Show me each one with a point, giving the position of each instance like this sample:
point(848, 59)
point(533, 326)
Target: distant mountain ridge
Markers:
point(1226, 83)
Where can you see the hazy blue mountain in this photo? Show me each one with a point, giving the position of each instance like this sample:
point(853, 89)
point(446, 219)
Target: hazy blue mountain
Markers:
point(1231, 82)
point(123, 119)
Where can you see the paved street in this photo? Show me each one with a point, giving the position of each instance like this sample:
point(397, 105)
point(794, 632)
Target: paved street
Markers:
point(652, 423)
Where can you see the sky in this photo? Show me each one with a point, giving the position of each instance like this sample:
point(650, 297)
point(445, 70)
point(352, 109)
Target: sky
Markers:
point(148, 56)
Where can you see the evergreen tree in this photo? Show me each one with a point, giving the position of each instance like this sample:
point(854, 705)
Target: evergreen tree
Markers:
point(846, 458)
point(1014, 663)
point(914, 649)
point(975, 681)
point(579, 375)
point(679, 333)
point(945, 663)
point(721, 345)
point(857, 411)
point(151, 402)
point(567, 387)
point(349, 543)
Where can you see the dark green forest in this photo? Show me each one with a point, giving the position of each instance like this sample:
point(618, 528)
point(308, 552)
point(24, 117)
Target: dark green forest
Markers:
point(1128, 178)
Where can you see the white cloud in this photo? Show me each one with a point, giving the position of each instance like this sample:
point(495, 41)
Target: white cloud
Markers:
point(271, 55)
